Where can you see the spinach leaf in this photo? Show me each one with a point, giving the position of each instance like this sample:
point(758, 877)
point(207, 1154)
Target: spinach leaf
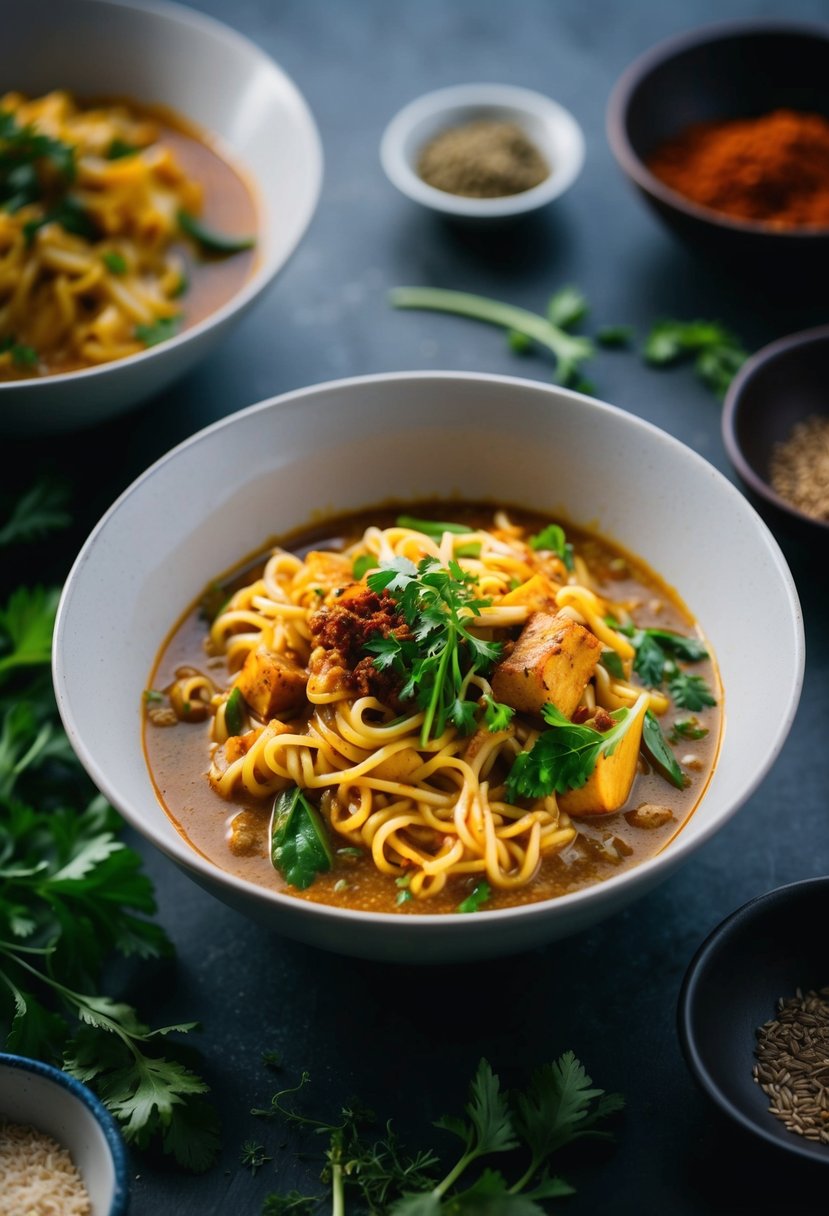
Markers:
point(299, 842)
point(659, 751)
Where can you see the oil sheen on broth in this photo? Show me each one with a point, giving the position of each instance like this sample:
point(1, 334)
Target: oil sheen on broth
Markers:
point(233, 831)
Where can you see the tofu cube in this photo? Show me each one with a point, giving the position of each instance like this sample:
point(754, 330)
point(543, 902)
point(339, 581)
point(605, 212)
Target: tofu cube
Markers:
point(552, 660)
point(271, 683)
point(608, 787)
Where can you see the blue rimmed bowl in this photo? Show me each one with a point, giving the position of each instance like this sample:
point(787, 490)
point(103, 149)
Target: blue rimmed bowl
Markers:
point(43, 1097)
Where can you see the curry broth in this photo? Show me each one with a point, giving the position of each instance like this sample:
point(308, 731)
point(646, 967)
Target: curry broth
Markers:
point(178, 757)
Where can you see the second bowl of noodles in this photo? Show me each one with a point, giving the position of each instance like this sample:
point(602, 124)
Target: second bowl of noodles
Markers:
point(427, 680)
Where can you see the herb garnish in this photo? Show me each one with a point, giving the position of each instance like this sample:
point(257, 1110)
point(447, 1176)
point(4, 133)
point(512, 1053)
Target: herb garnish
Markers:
point(209, 239)
point(688, 728)
point(558, 1106)
point(437, 603)
point(476, 898)
point(657, 747)
point(718, 355)
point(160, 330)
point(553, 538)
point(23, 356)
point(656, 653)
point(114, 261)
point(362, 564)
point(72, 894)
point(299, 840)
point(563, 758)
point(570, 351)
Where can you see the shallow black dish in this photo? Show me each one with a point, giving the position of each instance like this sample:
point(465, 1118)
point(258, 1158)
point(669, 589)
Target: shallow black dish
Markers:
point(723, 71)
point(781, 385)
point(765, 950)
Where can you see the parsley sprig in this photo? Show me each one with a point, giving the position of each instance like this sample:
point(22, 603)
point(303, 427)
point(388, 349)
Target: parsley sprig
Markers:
point(434, 664)
point(563, 758)
point(559, 1105)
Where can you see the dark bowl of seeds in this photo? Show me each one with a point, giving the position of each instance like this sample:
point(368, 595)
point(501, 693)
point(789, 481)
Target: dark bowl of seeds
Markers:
point(754, 1018)
point(775, 428)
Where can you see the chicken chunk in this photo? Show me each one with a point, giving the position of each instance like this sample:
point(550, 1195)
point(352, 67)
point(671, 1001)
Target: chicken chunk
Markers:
point(271, 683)
point(608, 787)
point(552, 660)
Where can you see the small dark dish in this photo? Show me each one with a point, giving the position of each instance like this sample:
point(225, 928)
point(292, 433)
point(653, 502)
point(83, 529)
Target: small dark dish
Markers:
point(760, 953)
point(720, 72)
point(781, 385)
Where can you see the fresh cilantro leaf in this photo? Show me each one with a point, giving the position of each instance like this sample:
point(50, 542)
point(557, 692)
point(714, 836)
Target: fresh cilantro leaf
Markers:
point(26, 625)
point(488, 1126)
point(650, 659)
point(563, 758)
point(39, 511)
point(690, 649)
point(158, 331)
point(497, 716)
point(690, 691)
point(553, 538)
point(114, 261)
point(476, 899)
point(560, 1105)
point(659, 750)
point(612, 663)
point(362, 564)
point(120, 148)
point(717, 353)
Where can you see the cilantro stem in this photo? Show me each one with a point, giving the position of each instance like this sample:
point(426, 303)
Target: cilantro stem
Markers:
point(568, 350)
point(437, 691)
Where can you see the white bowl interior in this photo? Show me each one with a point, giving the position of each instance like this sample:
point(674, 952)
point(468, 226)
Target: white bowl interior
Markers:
point(31, 1098)
point(551, 128)
point(172, 56)
point(269, 469)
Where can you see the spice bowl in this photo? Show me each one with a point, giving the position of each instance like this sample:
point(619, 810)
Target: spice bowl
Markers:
point(37, 1096)
point(766, 952)
point(743, 70)
point(549, 129)
point(782, 387)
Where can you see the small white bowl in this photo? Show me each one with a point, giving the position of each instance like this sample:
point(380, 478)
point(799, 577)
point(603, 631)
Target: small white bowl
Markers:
point(165, 54)
point(403, 437)
point(551, 128)
point(36, 1094)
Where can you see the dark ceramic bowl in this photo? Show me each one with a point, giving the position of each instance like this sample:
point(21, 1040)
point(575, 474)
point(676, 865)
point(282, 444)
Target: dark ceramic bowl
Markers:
point(719, 72)
point(781, 385)
point(765, 950)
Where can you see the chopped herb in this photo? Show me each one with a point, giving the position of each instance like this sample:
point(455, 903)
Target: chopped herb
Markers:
point(472, 550)
point(38, 512)
point(212, 602)
point(253, 1155)
point(432, 527)
point(553, 538)
point(235, 711)
point(688, 728)
point(717, 353)
point(690, 691)
point(153, 697)
point(569, 351)
point(299, 840)
point(213, 242)
point(615, 336)
point(563, 758)
point(349, 850)
point(497, 716)
point(71, 217)
point(362, 564)
point(657, 747)
point(403, 897)
point(567, 307)
point(22, 356)
point(181, 288)
point(22, 149)
point(158, 331)
point(476, 899)
point(518, 342)
point(114, 261)
point(119, 148)
point(403, 881)
point(340, 885)
point(437, 604)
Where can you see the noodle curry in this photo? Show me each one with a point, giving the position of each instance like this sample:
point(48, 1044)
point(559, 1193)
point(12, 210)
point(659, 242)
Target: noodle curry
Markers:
point(411, 714)
point(117, 229)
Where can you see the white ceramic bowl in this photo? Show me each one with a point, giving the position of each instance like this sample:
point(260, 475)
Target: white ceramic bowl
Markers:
point(353, 443)
point(551, 128)
point(169, 55)
point(35, 1094)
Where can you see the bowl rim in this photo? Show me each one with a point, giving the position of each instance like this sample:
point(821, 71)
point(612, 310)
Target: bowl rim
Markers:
point(106, 1122)
point(717, 942)
point(733, 404)
point(444, 101)
point(656, 56)
point(262, 274)
point(681, 845)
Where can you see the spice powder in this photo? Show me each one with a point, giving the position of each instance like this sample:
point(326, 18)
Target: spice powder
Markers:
point(482, 159)
point(793, 1063)
point(799, 468)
